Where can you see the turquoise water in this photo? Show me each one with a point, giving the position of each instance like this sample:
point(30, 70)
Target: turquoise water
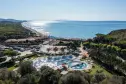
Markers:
point(67, 60)
point(79, 66)
point(83, 29)
point(59, 61)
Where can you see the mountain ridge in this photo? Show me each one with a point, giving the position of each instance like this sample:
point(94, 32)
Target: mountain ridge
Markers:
point(11, 20)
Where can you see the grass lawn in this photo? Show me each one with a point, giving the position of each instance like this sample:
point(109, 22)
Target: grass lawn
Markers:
point(11, 68)
point(33, 57)
point(99, 68)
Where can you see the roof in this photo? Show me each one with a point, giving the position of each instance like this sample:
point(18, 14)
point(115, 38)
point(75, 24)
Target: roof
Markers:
point(22, 40)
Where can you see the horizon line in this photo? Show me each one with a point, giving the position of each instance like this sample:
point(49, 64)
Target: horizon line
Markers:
point(57, 20)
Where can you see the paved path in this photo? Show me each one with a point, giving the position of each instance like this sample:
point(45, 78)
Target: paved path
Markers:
point(83, 52)
point(24, 53)
point(8, 59)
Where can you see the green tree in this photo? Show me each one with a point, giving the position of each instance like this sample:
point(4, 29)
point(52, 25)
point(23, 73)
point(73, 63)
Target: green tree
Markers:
point(7, 82)
point(7, 77)
point(26, 68)
point(49, 76)
point(123, 53)
point(9, 52)
point(117, 80)
point(98, 77)
point(28, 79)
point(75, 77)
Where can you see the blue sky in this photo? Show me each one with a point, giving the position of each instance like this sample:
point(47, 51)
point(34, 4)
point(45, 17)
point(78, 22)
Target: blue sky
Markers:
point(63, 9)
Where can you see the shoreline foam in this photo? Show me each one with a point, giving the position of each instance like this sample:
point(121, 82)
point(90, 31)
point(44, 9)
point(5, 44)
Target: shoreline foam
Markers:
point(38, 27)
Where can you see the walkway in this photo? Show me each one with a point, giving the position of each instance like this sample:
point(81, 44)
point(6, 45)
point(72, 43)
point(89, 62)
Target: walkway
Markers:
point(7, 60)
point(83, 52)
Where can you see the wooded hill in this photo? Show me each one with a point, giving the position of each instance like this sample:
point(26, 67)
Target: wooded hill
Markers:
point(109, 50)
point(13, 30)
point(118, 34)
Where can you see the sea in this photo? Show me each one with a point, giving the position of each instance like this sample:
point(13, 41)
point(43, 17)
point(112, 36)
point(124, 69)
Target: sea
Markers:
point(81, 29)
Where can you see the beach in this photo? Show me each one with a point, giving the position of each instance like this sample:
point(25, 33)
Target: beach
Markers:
point(37, 27)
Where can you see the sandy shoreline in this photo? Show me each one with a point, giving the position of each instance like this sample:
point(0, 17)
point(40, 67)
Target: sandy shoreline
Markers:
point(37, 27)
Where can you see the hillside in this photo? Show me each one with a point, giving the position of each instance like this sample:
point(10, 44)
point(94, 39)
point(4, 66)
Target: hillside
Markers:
point(118, 34)
point(10, 20)
point(12, 29)
point(109, 50)
point(116, 37)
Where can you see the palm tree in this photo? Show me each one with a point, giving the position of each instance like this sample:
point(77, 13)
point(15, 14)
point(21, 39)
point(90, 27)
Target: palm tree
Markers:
point(55, 49)
point(62, 49)
point(48, 49)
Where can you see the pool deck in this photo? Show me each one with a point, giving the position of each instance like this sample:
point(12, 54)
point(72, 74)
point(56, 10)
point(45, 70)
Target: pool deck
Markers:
point(39, 62)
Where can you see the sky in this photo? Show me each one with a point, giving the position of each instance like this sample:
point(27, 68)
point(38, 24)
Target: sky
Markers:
point(86, 10)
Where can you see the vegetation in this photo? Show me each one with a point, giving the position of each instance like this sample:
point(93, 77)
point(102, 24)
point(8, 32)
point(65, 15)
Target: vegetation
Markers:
point(118, 34)
point(97, 68)
point(75, 78)
point(117, 38)
point(2, 59)
point(10, 52)
point(28, 75)
point(49, 76)
point(7, 77)
point(55, 49)
point(70, 44)
point(107, 55)
point(109, 50)
point(13, 30)
point(26, 68)
point(63, 49)
point(48, 49)
point(11, 68)
point(28, 79)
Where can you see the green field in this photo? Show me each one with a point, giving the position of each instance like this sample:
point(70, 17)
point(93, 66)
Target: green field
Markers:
point(11, 68)
point(99, 68)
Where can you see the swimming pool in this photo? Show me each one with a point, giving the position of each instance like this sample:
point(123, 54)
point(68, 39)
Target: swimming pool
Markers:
point(77, 65)
point(59, 61)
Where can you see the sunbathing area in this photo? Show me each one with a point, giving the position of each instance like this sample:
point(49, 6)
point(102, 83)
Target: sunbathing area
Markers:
point(53, 49)
point(61, 63)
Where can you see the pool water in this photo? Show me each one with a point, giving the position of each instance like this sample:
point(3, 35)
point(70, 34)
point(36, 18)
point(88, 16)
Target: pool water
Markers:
point(59, 60)
point(79, 66)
